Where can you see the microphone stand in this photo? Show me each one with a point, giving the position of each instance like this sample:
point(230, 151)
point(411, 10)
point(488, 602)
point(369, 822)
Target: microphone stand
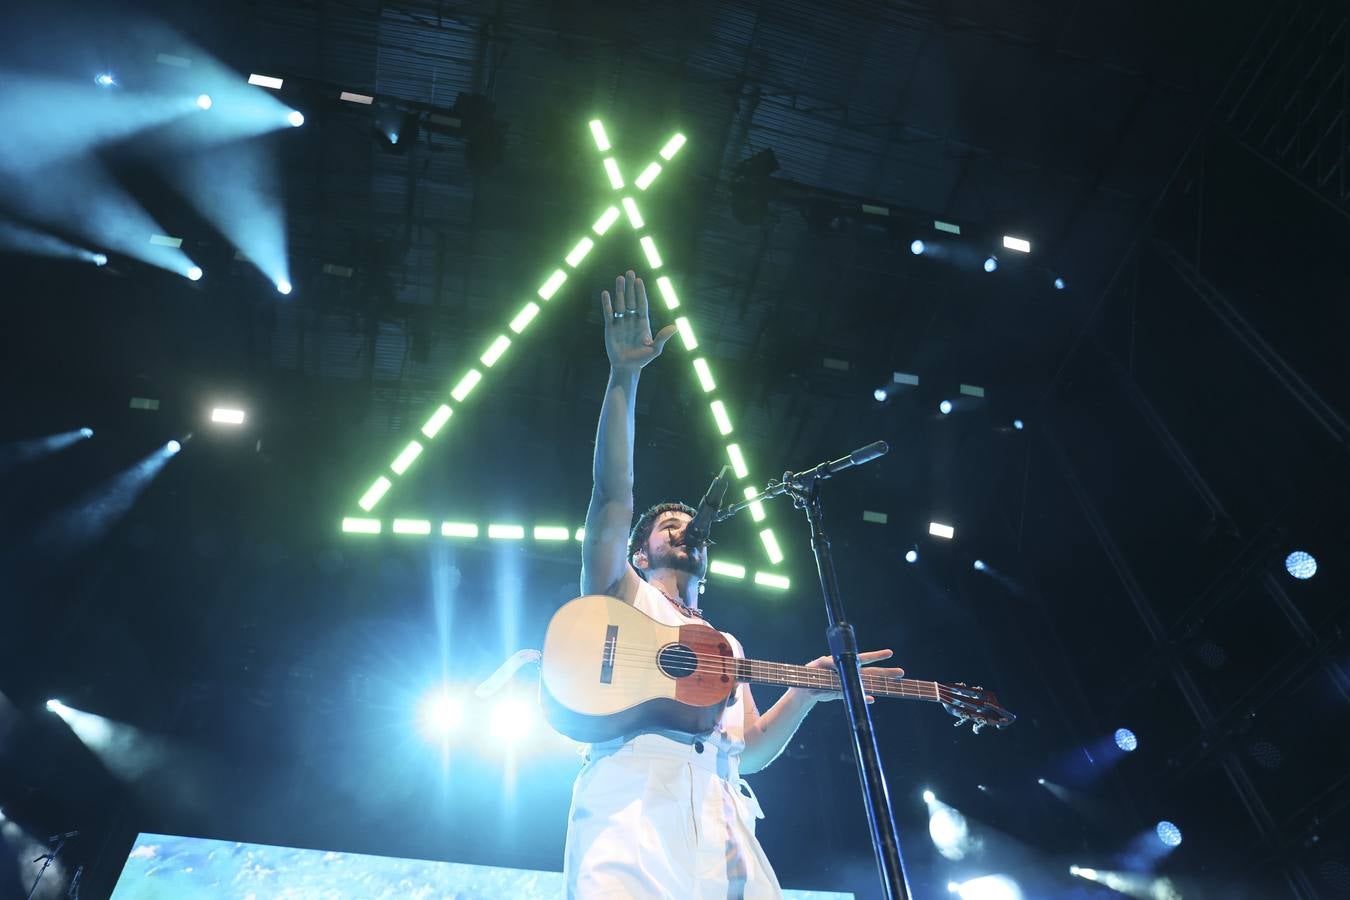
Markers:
point(47, 859)
point(804, 489)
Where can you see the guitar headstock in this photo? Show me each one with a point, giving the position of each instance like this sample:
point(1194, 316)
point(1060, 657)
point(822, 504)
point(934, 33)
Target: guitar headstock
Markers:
point(974, 705)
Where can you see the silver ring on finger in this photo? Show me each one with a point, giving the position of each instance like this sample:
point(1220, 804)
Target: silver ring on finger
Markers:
point(618, 314)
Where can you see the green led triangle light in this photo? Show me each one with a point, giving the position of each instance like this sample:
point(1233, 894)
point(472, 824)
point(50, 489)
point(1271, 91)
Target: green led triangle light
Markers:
point(498, 353)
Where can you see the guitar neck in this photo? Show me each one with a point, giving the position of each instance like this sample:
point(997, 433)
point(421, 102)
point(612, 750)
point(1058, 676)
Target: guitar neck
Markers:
point(757, 671)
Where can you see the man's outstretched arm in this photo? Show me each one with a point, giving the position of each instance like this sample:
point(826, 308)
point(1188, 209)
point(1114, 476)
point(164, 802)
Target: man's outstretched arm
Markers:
point(766, 735)
point(630, 345)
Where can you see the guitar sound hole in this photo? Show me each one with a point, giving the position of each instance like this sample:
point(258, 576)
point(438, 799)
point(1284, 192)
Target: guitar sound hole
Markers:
point(677, 661)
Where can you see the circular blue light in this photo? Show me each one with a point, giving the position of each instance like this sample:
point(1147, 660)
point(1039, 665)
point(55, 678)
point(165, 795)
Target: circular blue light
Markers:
point(86, 432)
point(916, 247)
point(204, 101)
point(879, 395)
point(296, 118)
point(1126, 740)
point(945, 407)
point(194, 273)
point(283, 286)
point(105, 79)
point(991, 264)
point(1019, 424)
point(1169, 834)
point(173, 447)
point(99, 259)
point(1059, 284)
point(912, 556)
point(1301, 565)
point(980, 566)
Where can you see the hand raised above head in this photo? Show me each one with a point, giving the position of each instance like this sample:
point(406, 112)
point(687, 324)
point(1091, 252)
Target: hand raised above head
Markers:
point(629, 342)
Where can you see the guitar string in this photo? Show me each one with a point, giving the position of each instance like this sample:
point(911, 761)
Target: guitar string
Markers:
point(792, 677)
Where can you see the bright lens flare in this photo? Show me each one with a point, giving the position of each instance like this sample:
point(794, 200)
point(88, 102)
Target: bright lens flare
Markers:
point(296, 118)
point(204, 101)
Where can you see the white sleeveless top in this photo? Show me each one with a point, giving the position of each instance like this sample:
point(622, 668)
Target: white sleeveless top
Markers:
point(729, 736)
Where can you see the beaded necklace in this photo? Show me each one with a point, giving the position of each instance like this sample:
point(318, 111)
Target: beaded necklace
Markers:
point(683, 607)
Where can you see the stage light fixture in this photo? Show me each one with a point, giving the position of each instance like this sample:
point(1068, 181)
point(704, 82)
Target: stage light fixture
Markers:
point(283, 286)
point(730, 570)
point(1126, 740)
point(929, 796)
point(991, 264)
point(406, 457)
point(194, 273)
point(439, 715)
point(979, 565)
point(56, 706)
point(945, 407)
point(267, 81)
point(1019, 424)
point(506, 532)
point(203, 101)
point(226, 416)
point(105, 79)
point(879, 394)
point(296, 118)
point(99, 259)
point(173, 447)
point(552, 533)
point(1019, 244)
point(86, 433)
point(1059, 284)
point(1041, 782)
point(1301, 565)
point(916, 247)
point(911, 556)
point(937, 529)
point(720, 416)
point(1169, 834)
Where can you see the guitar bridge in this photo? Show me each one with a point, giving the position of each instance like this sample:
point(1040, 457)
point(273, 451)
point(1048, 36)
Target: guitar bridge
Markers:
point(607, 658)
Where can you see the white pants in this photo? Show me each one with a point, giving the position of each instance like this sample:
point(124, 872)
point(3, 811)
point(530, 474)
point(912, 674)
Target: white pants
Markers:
point(655, 818)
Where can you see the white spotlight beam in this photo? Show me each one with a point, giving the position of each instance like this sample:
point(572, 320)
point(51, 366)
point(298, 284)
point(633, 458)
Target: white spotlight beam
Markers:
point(84, 199)
point(39, 243)
point(48, 121)
point(237, 188)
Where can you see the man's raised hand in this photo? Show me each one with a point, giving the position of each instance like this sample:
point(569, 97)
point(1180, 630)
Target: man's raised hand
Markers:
point(628, 330)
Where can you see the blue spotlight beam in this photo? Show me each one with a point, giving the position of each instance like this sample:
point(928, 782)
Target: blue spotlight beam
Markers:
point(237, 188)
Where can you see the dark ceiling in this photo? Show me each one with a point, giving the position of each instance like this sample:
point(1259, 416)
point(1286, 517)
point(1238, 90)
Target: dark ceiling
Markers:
point(1182, 166)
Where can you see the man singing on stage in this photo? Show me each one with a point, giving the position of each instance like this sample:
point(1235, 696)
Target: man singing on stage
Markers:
point(665, 814)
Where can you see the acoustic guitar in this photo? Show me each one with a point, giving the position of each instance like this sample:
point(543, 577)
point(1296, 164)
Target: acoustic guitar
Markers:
point(609, 669)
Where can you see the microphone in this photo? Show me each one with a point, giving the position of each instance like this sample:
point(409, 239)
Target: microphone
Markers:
point(827, 469)
point(696, 532)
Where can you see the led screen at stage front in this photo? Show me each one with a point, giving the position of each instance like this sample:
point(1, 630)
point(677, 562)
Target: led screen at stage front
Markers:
point(164, 867)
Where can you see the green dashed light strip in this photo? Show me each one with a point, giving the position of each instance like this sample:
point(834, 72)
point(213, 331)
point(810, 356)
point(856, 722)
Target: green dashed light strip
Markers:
point(522, 320)
point(552, 535)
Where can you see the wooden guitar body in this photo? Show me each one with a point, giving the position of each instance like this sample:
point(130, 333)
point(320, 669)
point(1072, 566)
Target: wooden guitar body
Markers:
point(610, 670)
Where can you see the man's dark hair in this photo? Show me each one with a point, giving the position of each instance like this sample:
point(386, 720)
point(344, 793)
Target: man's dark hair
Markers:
point(642, 530)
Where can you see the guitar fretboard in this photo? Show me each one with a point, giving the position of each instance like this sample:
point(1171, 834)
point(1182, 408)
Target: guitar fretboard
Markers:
point(783, 674)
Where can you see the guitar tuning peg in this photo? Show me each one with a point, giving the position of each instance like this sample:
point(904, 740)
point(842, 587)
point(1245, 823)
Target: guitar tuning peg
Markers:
point(975, 729)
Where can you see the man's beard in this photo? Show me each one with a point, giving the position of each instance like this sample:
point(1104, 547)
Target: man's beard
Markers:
point(680, 562)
